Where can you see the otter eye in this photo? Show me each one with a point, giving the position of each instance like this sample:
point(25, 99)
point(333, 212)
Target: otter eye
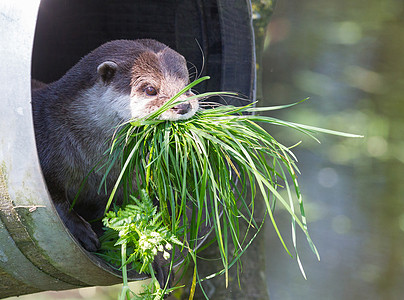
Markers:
point(150, 91)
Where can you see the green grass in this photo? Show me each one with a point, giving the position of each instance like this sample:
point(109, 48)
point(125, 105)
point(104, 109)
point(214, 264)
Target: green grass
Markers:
point(207, 171)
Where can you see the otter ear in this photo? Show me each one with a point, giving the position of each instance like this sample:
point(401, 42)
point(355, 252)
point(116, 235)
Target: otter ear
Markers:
point(107, 70)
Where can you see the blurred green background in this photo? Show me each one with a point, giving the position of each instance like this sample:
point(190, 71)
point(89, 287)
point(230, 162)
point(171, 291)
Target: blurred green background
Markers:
point(348, 57)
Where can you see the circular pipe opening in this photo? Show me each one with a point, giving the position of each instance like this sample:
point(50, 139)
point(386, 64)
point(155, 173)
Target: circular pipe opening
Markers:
point(215, 36)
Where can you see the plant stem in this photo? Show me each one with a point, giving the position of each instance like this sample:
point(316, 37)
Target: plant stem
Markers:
point(156, 284)
point(193, 286)
point(148, 171)
point(125, 287)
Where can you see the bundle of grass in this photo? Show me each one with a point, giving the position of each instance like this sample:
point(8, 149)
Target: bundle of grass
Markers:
point(205, 173)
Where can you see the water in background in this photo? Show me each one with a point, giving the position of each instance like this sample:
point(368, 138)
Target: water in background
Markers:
point(348, 57)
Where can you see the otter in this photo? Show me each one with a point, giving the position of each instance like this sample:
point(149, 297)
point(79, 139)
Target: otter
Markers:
point(75, 117)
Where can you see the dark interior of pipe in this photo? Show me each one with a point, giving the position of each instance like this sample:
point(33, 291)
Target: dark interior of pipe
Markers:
point(68, 30)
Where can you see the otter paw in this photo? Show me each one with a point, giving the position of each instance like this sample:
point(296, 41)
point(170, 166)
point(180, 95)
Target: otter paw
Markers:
point(85, 235)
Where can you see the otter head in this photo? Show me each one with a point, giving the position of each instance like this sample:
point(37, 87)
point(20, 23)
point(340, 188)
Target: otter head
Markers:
point(156, 74)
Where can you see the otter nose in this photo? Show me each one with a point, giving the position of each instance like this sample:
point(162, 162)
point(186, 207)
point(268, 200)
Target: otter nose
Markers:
point(182, 108)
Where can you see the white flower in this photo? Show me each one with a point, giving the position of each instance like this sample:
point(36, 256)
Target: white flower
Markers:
point(153, 241)
point(154, 251)
point(144, 244)
point(168, 246)
point(155, 234)
point(147, 245)
point(160, 248)
point(166, 255)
